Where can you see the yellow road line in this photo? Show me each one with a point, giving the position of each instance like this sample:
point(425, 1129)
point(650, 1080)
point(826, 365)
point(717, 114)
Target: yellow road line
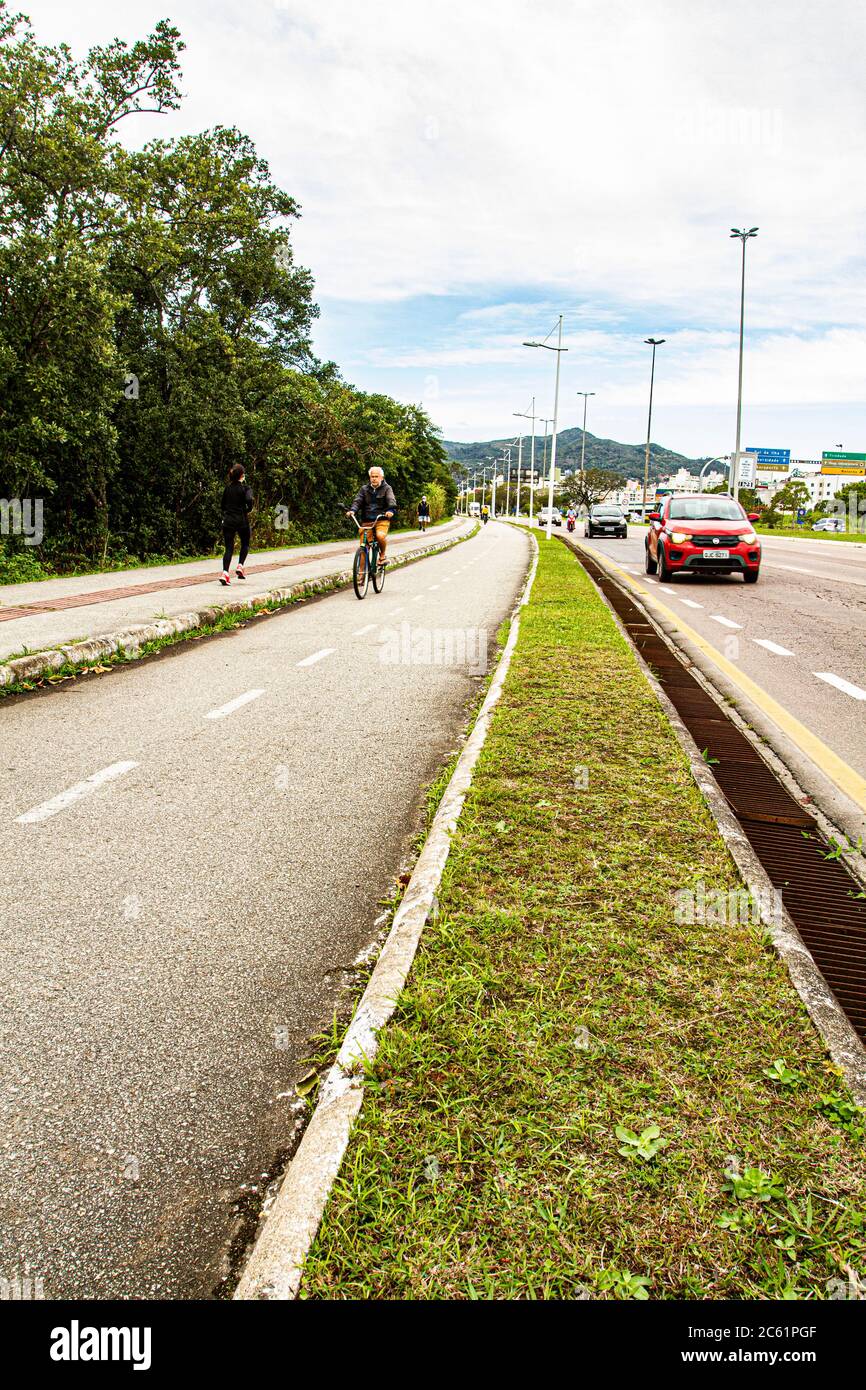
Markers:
point(838, 771)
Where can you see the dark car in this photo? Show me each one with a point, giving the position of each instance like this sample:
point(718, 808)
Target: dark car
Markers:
point(705, 533)
point(606, 519)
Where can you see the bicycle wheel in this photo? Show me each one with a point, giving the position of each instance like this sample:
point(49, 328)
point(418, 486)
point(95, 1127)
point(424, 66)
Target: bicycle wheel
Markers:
point(360, 572)
point(378, 572)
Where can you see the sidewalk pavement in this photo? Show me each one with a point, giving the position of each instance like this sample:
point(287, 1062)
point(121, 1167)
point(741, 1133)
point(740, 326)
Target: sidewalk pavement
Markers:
point(49, 612)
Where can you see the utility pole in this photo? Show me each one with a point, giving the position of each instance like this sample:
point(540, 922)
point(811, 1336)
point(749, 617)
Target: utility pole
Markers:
point(654, 342)
point(735, 462)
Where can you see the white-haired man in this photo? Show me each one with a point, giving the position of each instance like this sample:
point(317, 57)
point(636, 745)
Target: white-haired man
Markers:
point(374, 508)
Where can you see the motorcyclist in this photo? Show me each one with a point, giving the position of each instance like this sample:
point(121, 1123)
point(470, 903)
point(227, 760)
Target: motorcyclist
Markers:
point(485, 513)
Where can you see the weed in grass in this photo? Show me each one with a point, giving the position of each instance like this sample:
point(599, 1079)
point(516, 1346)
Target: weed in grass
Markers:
point(780, 1073)
point(645, 1145)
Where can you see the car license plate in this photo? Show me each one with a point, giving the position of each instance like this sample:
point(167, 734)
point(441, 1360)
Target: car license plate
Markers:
point(717, 554)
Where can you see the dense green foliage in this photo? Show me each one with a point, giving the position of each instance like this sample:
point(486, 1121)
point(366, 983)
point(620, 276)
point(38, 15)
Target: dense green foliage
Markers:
point(154, 328)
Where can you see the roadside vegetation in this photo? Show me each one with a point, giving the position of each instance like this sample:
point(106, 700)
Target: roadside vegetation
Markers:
point(155, 328)
point(580, 1094)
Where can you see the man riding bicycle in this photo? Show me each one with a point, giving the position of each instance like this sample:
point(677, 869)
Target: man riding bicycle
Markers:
point(373, 509)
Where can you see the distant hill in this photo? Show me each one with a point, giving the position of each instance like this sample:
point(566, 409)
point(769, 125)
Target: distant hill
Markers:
point(625, 459)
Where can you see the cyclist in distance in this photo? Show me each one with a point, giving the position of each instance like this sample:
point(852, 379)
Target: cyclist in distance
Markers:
point(375, 500)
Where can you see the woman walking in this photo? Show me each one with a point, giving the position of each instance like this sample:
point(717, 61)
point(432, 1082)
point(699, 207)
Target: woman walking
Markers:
point(236, 507)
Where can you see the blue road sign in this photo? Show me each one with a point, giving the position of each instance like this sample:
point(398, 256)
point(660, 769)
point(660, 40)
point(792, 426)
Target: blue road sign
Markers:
point(782, 457)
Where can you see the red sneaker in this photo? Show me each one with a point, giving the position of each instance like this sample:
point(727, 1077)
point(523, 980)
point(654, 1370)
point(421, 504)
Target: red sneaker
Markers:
point(224, 577)
point(239, 574)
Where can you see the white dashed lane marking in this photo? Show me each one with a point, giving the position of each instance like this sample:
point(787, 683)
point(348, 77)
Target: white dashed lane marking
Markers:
point(73, 794)
point(725, 622)
point(237, 703)
point(846, 687)
point(771, 646)
point(690, 603)
point(317, 656)
point(359, 631)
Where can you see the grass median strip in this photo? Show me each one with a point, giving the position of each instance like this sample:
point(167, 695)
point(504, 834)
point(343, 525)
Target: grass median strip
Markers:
point(581, 1091)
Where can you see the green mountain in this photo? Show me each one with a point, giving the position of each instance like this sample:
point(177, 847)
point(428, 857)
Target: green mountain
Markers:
point(625, 459)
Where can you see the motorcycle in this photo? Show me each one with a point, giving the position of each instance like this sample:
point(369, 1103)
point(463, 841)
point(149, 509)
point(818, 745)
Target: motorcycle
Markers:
point(570, 523)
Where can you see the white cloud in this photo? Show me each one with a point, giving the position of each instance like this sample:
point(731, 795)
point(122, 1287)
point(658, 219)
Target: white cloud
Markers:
point(594, 152)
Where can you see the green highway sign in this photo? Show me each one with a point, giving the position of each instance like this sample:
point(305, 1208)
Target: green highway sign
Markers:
point(833, 456)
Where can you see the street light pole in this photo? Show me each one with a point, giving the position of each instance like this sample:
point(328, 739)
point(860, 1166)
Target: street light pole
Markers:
point(559, 350)
point(583, 440)
point(519, 471)
point(735, 462)
point(655, 342)
point(725, 462)
point(529, 415)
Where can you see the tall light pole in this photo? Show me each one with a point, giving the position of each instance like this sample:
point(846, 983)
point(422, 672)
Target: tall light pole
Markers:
point(559, 350)
point(545, 420)
point(519, 471)
point(529, 415)
point(724, 461)
point(655, 342)
point(735, 462)
point(583, 440)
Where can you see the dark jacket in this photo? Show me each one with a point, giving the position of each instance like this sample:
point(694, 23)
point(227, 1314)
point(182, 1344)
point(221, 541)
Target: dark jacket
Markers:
point(423, 508)
point(374, 501)
point(237, 503)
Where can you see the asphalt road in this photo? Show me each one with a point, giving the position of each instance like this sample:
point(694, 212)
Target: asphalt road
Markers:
point(195, 847)
point(114, 603)
point(799, 633)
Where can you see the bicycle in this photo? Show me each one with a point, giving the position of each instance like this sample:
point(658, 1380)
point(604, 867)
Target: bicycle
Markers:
point(366, 561)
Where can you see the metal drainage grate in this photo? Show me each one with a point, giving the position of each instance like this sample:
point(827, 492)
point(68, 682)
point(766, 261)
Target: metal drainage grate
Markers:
point(820, 894)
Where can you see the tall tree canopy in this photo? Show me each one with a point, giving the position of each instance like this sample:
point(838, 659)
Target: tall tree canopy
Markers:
point(154, 327)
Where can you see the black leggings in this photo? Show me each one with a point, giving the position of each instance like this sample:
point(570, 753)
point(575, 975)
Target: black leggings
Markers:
point(241, 529)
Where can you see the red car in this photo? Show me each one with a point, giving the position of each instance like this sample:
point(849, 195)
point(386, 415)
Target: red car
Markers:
point(705, 533)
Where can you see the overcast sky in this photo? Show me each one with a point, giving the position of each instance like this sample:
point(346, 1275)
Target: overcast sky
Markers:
point(469, 170)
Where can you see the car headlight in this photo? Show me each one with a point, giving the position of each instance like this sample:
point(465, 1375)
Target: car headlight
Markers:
point(679, 537)
point(749, 537)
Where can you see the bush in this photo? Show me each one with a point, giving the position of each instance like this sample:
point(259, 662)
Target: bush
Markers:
point(20, 567)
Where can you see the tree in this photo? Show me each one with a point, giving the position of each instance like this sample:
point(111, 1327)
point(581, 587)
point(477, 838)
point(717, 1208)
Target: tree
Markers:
point(790, 498)
point(155, 329)
point(587, 488)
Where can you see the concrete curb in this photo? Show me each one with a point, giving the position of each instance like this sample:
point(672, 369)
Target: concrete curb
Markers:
point(130, 639)
point(840, 1039)
point(275, 1267)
